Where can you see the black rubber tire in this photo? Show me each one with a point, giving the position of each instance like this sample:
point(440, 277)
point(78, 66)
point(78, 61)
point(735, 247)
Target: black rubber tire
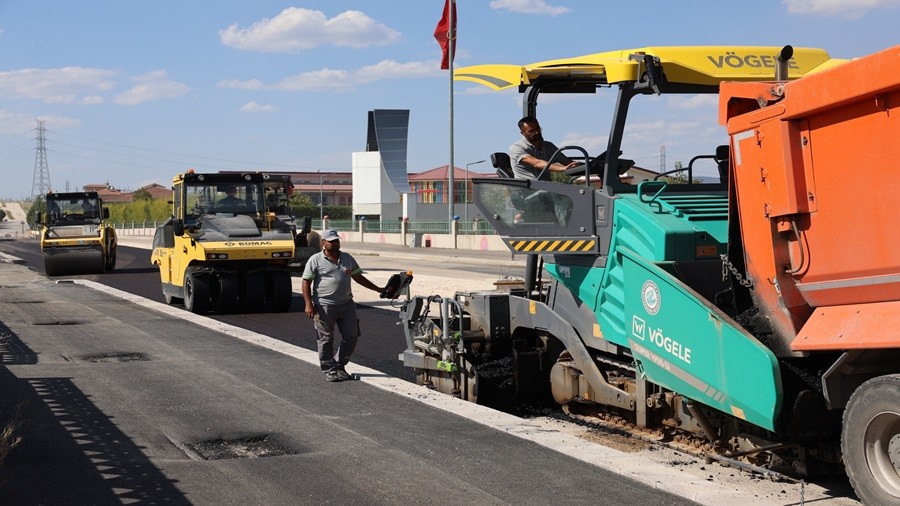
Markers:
point(280, 292)
point(196, 292)
point(870, 440)
point(253, 292)
point(225, 297)
point(171, 299)
point(111, 259)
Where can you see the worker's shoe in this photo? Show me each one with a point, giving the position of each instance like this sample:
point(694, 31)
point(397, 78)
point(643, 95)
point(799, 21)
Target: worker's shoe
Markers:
point(342, 374)
point(332, 376)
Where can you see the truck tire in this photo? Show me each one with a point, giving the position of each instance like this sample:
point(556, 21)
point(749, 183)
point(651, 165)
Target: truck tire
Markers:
point(253, 292)
point(281, 293)
point(196, 292)
point(870, 440)
point(226, 294)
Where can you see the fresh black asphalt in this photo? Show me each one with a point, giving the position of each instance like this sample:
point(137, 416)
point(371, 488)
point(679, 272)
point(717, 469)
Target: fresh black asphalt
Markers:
point(120, 403)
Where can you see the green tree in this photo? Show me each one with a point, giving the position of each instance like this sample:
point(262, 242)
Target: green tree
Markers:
point(141, 211)
point(39, 206)
point(333, 212)
point(301, 200)
point(160, 210)
point(679, 177)
point(142, 195)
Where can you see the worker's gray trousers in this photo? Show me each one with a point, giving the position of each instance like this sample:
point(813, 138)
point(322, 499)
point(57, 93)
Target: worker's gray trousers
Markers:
point(342, 316)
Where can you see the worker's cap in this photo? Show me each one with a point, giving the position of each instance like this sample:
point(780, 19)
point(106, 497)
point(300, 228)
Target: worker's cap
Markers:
point(331, 235)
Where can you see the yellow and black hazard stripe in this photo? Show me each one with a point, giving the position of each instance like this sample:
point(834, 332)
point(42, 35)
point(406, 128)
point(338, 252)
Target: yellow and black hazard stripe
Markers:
point(554, 245)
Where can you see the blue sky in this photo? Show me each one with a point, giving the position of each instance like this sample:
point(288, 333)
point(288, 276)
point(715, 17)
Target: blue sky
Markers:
point(135, 92)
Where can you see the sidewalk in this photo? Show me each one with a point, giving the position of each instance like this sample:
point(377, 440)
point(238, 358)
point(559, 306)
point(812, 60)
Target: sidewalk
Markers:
point(438, 254)
point(392, 250)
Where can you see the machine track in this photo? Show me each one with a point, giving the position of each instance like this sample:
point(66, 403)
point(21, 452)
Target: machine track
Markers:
point(495, 380)
point(595, 417)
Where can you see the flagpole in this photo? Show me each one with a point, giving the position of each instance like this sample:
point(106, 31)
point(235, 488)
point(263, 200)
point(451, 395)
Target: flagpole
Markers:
point(451, 37)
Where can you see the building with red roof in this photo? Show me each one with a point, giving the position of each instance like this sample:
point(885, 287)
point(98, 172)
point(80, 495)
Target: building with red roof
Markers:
point(432, 186)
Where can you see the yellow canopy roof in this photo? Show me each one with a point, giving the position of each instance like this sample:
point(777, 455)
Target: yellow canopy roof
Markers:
point(702, 65)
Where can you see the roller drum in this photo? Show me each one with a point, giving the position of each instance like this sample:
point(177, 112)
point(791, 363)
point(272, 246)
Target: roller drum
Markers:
point(69, 262)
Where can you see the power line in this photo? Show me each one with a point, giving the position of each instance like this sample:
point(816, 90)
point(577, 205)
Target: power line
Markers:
point(16, 154)
point(23, 143)
point(118, 162)
point(175, 162)
point(193, 158)
point(23, 134)
point(168, 169)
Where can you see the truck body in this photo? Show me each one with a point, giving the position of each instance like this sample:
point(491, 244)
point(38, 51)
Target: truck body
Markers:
point(811, 166)
point(750, 316)
point(223, 250)
point(76, 237)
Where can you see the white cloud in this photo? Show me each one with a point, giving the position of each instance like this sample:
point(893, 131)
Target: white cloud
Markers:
point(317, 80)
point(528, 7)
point(341, 80)
point(14, 123)
point(255, 107)
point(237, 84)
point(390, 69)
point(67, 85)
point(850, 8)
point(594, 144)
point(59, 121)
point(296, 29)
point(151, 86)
point(706, 102)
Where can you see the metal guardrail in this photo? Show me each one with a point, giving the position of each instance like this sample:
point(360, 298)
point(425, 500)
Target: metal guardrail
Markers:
point(479, 227)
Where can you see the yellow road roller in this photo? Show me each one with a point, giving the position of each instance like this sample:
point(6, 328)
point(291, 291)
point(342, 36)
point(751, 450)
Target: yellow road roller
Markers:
point(76, 237)
point(223, 250)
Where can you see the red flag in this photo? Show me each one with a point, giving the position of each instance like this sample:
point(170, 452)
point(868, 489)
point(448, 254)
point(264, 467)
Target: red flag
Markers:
point(444, 29)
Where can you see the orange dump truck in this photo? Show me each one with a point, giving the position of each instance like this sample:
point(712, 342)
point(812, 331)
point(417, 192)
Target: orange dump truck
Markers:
point(813, 166)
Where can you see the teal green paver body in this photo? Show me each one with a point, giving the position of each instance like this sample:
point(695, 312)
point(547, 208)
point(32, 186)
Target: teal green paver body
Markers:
point(679, 340)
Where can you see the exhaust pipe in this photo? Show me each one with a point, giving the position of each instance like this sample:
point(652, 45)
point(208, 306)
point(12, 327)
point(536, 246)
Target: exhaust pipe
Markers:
point(781, 63)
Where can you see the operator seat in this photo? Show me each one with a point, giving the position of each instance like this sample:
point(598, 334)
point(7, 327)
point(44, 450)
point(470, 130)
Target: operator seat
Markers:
point(501, 162)
point(722, 155)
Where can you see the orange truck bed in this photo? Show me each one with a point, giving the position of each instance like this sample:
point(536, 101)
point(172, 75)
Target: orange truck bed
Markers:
point(814, 164)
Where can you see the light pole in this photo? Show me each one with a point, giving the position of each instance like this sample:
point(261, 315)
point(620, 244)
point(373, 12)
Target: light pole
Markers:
point(321, 204)
point(467, 186)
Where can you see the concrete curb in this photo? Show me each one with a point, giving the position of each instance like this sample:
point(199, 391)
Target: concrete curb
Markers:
point(9, 259)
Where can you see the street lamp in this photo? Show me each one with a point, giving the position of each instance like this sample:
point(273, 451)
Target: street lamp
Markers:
point(321, 204)
point(467, 186)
